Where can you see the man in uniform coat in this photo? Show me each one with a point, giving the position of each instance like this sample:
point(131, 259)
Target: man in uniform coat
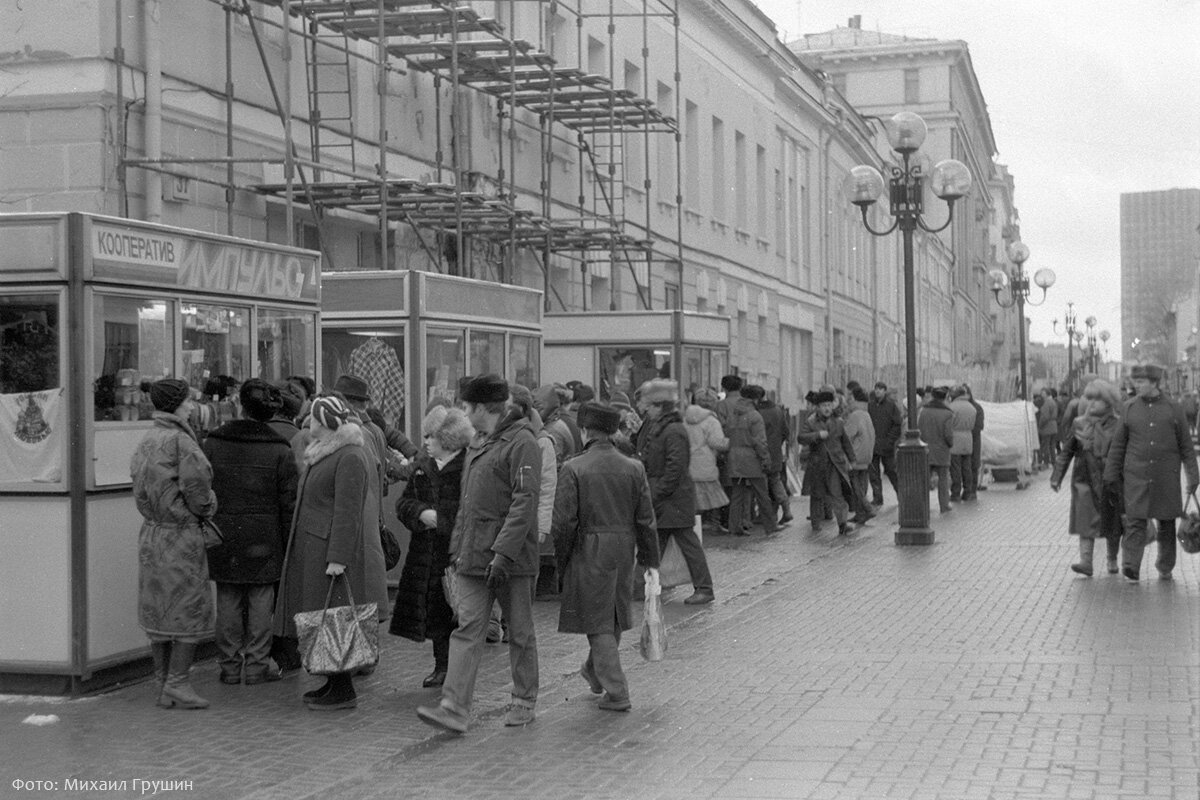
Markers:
point(1150, 445)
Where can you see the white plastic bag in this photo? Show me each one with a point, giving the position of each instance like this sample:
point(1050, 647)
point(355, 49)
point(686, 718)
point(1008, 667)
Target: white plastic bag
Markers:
point(653, 644)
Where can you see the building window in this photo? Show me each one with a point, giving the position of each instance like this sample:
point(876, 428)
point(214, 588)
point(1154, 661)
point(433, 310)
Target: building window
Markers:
point(839, 345)
point(912, 86)
point(741, 179)
point(691, 151)
point(760, 190)
point(719, 186)
point(671, 292)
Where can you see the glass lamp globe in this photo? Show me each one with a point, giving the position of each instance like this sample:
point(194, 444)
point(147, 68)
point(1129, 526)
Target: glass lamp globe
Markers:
point(998, 279)
point(1090, 322)
point(1044, 278)
point(1104, 336)
point(950, 180)
point(863, 185)
point(906, 132)
point(1018, 252)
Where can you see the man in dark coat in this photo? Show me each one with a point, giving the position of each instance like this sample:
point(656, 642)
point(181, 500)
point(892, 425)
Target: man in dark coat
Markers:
point(730, 386)
point(663, 447)
point(936, 424)
point(976, 439)
point(1151, 444)
point(254, 478)
point(494, 548)
point(775, 426)
point(830, 454)
point(748, 464)
point(602, 515)
point(889, 427)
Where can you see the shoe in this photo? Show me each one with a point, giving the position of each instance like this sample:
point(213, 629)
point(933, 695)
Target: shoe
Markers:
point(365, 671)
point(969, 498)
point(321, 691)
point(592, 681)
point(518, 716)
point(232, 678)
point(844, 528)
point(1164, 575)
point(266, 676)
point(1113, 569)
point(786, 518)
point(955, 498)
point(816, 528)
point(877, 502)
point(435, 678)
point(334, 701)
point(441, 717)
point(1082, 569)
point(610, 703)
point(699, 599)
point(946, 509)
point(1130, 573)
point(494, 631)
point(503, 633)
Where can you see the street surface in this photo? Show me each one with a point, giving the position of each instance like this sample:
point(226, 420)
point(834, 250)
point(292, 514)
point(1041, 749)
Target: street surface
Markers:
point(979, 667)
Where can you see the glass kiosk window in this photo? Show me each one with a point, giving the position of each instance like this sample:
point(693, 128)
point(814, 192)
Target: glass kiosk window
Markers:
point(32, 403)
point(216, 359)
point(287, 342)
point(523, 360)
point(377, 356)
point(446, 361)
point(625, 369)
point(487, 352)
point(134, 341)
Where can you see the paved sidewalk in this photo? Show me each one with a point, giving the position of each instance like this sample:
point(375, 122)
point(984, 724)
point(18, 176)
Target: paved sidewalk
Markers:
point(829, 667)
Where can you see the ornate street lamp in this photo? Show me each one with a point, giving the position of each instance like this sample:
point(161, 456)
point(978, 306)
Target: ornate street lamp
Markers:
point(1072, 336)
point(1090, 322)
point(949, 180)
point(1018, 289)
point(1103, 355)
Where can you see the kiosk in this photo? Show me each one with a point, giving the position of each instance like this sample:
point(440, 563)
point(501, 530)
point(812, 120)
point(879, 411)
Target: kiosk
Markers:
point(412, 335)
point(621, 350)
point(90, 306)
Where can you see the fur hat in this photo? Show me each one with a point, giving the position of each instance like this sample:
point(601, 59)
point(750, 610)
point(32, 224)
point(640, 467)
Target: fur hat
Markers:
point(752, 391)
point(599, 417)
point(490, 388)
point(1151, 372)
point(940, 392)
point(449, 426)
point(583, 393)
point(660, 390)
point(822, 397)
point(353, 387)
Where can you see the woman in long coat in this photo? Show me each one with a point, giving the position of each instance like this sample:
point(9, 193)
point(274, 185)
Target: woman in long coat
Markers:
point(327, 535)
point(829, 459)
point(602, 515)
point(428, 507)
point(1095, 510)
point(172, 486)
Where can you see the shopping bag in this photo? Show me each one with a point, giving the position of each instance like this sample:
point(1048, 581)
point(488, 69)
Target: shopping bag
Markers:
point(450, 591)
point(672, 568)
point(391, 547)
point(653, 644)
point(340, 639)
point(1188, 528)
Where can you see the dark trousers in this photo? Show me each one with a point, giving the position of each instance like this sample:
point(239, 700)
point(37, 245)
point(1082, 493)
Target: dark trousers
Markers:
point(1136, 537)
point(693, 554)
point(745, 492)
point(976, 456)
point(942, 476)
point(777, 488)
point(888, 462)
point(962, 477)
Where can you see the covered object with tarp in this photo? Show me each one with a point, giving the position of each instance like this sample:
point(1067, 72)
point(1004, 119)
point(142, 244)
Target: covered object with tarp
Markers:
point(1009, 436)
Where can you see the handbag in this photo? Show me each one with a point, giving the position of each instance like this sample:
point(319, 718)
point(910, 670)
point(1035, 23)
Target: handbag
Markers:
point(391, 547)
point(1188, 529)
point(211, 533)
point(340, 639)
point(653, 643)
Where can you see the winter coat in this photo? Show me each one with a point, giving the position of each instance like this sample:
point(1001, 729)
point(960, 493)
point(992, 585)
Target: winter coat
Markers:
point(498, 511)
point(1151, 443)
point(1047, 418)
point(254, 477)
point(775, 427)
point(748, 456)
point(835, 451)
point(706, 439)
point(889, 423)
point(1095, 509)
point(665, 450)
point(602, 515)
point(936, 423)
point(963, 422)
point(420, 610)
point(328, 527)
point(286, 428)
point(549, 478)
point(861, 433)
point(172, 487)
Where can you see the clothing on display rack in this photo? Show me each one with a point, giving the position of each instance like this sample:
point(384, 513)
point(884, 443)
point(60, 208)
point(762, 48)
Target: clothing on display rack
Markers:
point(377, 363)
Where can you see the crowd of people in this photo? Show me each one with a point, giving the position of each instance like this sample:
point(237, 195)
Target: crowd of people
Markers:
point(516, 494)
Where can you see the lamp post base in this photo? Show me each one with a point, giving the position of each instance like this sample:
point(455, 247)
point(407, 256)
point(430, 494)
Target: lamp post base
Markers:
point(912, 466)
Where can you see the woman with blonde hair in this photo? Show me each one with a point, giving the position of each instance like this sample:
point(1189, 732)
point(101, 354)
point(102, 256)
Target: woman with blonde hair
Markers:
point(1095, 511)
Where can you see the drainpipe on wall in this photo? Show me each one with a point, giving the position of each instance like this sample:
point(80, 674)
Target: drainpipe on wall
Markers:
point(826, 205)
point(151, 14)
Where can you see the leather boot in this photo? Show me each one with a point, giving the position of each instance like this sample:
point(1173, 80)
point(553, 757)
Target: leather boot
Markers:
point(161, 653)
point(177, 691)
point(1084, 567)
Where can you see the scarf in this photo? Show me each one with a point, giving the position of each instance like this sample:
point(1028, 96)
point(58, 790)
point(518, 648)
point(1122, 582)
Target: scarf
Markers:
point(1094, 431)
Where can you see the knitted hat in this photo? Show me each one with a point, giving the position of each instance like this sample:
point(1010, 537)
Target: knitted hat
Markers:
point(167, 394)
point(599, 417)
point(490, 388)
point(330, 412)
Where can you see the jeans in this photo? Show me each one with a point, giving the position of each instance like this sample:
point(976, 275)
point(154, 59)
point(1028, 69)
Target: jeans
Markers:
point(466, 642)
point(243, 627)
point(962, 477)
point(888, 462)
point(693, 554)
point(1133, 544)
point(604, 661)
point(745, 491)
point(942, 474)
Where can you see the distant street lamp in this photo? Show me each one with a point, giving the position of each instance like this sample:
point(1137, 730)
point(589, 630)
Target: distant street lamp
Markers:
point(1069, 324)
point(949, 180)
point(1090, 322)
point(1018, 293)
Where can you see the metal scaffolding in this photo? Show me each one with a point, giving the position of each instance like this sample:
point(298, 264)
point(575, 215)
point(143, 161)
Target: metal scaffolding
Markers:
point(463, 50)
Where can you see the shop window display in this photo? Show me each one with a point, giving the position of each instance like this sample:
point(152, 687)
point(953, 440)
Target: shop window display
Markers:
point(376, 356)
point(625, 369)
point(445, 364)
point(487, 352)
point(134, 342)
point(32, 407)
point(287, 342)
point(216, 359)
point(523, 360)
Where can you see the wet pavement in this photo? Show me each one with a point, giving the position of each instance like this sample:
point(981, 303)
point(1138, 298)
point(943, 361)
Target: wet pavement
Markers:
point(829, 667)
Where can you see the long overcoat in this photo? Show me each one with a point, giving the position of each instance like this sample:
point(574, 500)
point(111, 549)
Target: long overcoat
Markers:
point(172, 487)
point(602, 514)
point(775, 430)
point(936, 423)
point(328, 527)
point(835, 452)
point(498, 511)
point(1150, 445)
point(665, 450)
point(1095, 509)
point(421, 608)
point(254, 477)
point(747, 456)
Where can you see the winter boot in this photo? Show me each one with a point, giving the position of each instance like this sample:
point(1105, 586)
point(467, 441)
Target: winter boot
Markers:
point(177, 691)
point(1084, 567)
point(161, 653)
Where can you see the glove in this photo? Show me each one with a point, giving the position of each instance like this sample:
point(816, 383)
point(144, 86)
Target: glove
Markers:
point(497, 573)
point(333, 569)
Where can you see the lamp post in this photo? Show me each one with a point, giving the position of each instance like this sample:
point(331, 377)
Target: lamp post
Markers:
point(1090, 322)
point(1018, 294)
point(949, 180)
point(1069, 324)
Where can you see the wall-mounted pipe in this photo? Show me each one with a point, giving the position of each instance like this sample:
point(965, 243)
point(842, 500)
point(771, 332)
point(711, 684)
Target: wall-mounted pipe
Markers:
point(152, 121)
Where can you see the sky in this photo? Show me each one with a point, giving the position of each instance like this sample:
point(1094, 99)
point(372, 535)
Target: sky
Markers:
point(1088, 99)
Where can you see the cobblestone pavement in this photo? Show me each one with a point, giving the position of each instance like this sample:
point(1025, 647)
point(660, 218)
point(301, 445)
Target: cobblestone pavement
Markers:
point(829, 667)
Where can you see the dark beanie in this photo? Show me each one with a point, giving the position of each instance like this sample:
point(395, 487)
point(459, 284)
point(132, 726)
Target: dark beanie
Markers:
point(167, 394)
point(599, 417)
point(489, 388)
point(752, 392)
